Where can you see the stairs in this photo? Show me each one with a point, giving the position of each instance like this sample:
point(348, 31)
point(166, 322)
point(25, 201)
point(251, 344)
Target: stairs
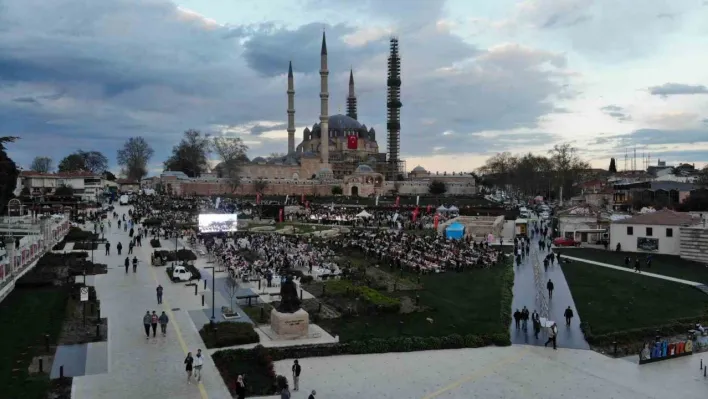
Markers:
point(694, 244)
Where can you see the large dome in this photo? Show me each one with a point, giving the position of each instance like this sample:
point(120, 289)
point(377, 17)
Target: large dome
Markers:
point(419, 169)
point(364, 168)
point(343, 122)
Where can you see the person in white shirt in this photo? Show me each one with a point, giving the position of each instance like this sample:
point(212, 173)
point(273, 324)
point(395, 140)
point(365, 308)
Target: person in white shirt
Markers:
point(198, 363)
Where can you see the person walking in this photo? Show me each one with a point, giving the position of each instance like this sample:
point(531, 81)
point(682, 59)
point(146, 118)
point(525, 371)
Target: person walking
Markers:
point(189, 365)
point(536, 324)
point(154, 319)
point(135, 264)
point(147, 319)
point(159, 294)
point(312, 395)
point(524, 318)
point(517, 319)
point(108, 248)
point(198, 364)
point(130, 248)
point(296, 375)
point(549, 287)
point(568, 315)
point(240, 388)
point(637, 265)
point(163, 319)
point(119, 247)
point(127, 264)
point(552, 336)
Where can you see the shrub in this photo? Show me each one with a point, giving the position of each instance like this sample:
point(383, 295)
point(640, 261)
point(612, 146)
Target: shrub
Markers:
point(155, 243)
point(60, 245)
point(375, 299)
point(76, 234)
point(186, 254)
point(228, 334)
point(170, 256)
point(507, 295)
point(256, 363)
point(152, 222)
point(87, 246)
point(637, 335)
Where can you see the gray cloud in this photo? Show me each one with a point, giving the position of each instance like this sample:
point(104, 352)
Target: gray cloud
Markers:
point(93, 88)
point(646, 137)
point(677, 89)
point(616, 112)
point(259, 129)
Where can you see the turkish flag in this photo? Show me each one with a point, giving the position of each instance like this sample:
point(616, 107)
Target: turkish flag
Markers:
point(281, 215)
point(415, 214)
point(436, 220)
point(352, 142)
point(258, 198)
point(398, 201)
point(428, 210)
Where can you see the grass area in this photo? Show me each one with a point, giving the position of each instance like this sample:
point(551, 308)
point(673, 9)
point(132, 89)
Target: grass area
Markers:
point(460, 303)
point(254, 313)
point(667, 265)
point(612, 300)
point(302, 228)
point(27, 315)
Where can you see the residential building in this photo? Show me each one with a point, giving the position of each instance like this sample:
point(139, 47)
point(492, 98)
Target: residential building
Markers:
point(666, 193)
point(655, 232)
point(86, 185)
point(583, 223)
point(125, 185)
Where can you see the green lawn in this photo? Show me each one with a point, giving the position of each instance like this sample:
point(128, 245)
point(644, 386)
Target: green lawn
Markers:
point(612, 300)
point(461, 303)
point(667, 265)
point(26, 316)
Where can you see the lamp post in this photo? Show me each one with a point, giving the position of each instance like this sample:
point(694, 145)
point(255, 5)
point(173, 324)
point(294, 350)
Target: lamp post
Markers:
point(213, 285)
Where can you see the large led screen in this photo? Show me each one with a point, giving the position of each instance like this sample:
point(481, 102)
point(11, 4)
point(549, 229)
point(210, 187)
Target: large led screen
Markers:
point(218, 222)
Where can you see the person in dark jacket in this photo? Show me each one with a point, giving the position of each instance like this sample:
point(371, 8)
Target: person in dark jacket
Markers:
point(154, 319)
point(240, 388)
point(163, 319)
point(127, 263)
point(568, 315)
point(119, 247)
point(108, 248)
point(549, 287)
point(517, 319)
point(147, 319)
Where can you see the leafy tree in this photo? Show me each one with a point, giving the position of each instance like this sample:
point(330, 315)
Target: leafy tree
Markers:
point(134, 158)
point(260, 185)
point(109, 176)
point(25, 192)
point(41, 165)
point(337, 190)
point(84, 161)
point(613, 166)
point(64, 191)
point(8, 173)
point(437, 187)
point(191, 154)
point(275, 155)
point(232, 152)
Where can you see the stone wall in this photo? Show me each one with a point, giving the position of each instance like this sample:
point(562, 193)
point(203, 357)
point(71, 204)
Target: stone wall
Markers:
point(694, 244)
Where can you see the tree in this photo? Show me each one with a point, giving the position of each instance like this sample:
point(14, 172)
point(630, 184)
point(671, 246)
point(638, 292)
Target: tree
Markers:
point(337, 190)
point(64, 191)
point(134, 158)
point(260, 185)
point(8, 173)
point(109, 176)
point(231, 290)
point(613, 166)
point(232, 152)
point(568, 167)
point(275, 155)
point(84, 161)
point(191, 154)
point(41, 165)
point(437, 187)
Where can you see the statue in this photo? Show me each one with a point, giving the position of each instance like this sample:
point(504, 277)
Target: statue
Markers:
point(289, 300)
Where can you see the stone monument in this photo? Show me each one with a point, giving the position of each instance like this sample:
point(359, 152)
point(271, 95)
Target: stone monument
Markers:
point(289, 320)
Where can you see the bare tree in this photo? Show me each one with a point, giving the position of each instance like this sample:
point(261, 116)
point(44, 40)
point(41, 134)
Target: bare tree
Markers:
point(260, 185)
point(134, 158)
point(231, 286)
point(232, 152)
point(42, 165)
point(275, 155)
point(191, 155)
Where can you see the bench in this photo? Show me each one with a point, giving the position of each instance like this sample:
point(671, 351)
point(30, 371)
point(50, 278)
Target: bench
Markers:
point(249, 297)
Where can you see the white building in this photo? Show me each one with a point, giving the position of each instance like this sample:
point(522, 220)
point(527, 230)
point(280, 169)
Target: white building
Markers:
point(583, 223)
point(656, 232)
point(86, 185)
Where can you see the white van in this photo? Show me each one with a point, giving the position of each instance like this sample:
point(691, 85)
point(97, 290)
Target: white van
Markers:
point(124, 200)
point(180, 273)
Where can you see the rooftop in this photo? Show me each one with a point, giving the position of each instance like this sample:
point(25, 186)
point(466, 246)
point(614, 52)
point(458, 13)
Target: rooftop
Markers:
point(663, 217)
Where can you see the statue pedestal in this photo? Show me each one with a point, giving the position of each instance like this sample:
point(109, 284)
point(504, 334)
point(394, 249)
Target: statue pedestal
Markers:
point(290, 325)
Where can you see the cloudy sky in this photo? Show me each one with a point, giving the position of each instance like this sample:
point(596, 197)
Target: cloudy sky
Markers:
point(479, 77)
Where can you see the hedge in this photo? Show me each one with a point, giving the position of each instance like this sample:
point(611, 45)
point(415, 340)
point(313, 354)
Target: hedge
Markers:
point(155, 243)
point(152, 222)
point(181, 255)
point(637, 335)
point(76, 234)
point(507, 295)
point(229, 334)
point(59, 246)
point(86, 246)
point(257, 362)
point(370, 296)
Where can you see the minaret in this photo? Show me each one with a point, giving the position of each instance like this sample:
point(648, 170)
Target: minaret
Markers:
point(351, 98)
point(291, 110)
point(324, 106)
point(393, 103)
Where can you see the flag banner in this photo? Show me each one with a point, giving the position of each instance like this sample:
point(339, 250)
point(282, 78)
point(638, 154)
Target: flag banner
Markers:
point(428, 209)
point(398, 202)
point(436, 220)
point(352, 142)
point(258, 199)
point(281, 215)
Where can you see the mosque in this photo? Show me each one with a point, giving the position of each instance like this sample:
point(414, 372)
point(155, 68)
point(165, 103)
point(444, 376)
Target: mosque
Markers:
point(351, 158)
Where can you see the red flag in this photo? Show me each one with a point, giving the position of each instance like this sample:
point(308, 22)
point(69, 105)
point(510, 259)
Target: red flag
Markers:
point(280, 215)
point(428, 209)
point(398, 201)
point(258, 198)
point(436, 220)
point(415, 213)
point(352, 142)
point(302, 198)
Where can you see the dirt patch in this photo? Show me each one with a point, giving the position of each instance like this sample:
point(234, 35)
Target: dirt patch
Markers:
point(391, 281)
point(408, 305)
point(82, 324)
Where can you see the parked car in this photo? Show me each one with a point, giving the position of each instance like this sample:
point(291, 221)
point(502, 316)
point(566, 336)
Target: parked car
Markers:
point(180, 273)
point(565, 242)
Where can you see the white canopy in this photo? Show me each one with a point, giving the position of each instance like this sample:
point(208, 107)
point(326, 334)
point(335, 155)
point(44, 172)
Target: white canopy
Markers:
point(442, 208)
point(453, 209)
point(363, 214)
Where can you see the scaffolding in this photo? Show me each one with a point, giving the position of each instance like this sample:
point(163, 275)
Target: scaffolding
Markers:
point(393, 105)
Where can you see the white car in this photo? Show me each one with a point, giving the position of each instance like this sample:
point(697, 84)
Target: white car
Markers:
point(180, 273)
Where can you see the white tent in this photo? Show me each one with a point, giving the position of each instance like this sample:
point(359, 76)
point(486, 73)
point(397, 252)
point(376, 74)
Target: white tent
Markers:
point(363, 214)
point(453, 208)
point(442, 208)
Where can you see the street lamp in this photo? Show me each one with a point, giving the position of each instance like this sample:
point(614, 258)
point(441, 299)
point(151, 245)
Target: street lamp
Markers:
point(213, 285)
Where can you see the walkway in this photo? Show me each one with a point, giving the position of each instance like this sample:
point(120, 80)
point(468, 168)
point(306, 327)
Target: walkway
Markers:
point(516, 372)
point(525, 295)
point(140, 367)
point(630, 270)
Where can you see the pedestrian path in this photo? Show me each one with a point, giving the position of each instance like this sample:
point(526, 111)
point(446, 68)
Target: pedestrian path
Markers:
point(629, 270)
point(140, 367)
point(525, 295)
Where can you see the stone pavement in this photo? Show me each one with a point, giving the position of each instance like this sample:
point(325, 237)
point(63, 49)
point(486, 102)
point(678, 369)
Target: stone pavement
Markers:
point(525, 295)
point(516, 372)
point(140, 367)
